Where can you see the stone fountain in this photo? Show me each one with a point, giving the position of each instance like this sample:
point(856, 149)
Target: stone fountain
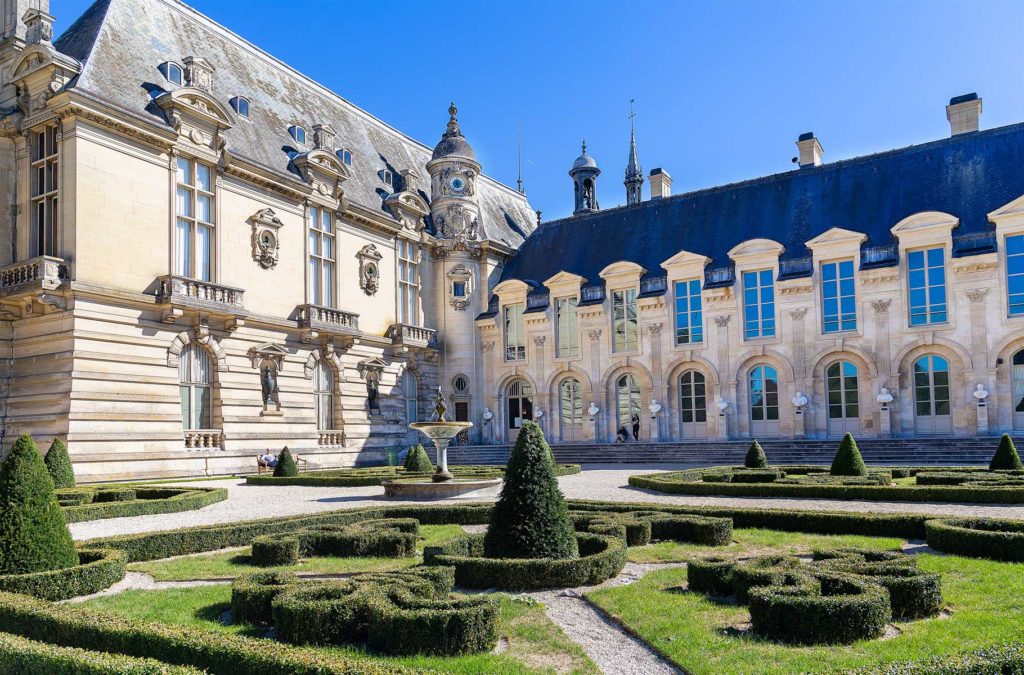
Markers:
point(440, 430)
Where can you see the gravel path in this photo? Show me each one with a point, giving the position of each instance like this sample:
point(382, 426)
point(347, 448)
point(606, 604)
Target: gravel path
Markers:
point(601, 482)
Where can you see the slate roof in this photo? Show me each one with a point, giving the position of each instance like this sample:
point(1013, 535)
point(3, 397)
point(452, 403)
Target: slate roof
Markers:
point(122, 42)
point(968, 176)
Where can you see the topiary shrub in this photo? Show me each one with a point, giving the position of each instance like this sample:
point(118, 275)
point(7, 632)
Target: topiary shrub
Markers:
point(712, 575)
point(58, 463)
point(756, 459)
point(531, 518)
point(848, 461)
point(33, 534)
point(1006, 457)
point(285, 465)
point(417, 461)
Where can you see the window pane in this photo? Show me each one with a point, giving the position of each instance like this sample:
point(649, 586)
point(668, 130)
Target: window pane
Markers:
point(183, 249)
point(204, 208)
point(184, 171)
point(183, 202)
point(204, 254)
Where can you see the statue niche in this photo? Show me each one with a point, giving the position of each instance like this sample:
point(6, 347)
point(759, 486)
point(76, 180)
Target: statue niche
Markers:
point(369, 269)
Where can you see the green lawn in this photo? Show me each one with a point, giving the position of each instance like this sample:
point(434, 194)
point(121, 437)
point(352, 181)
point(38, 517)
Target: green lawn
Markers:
point(986, 599)
point(535, 645)
point(755, 542)
point(230, 564)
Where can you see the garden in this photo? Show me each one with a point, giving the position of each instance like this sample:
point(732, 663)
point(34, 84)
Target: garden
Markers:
point(456, 587)
point(849, 478)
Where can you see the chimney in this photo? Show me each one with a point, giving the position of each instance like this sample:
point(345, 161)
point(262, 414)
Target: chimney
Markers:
point(810, 150)
point(963, 113)
point(661, 184)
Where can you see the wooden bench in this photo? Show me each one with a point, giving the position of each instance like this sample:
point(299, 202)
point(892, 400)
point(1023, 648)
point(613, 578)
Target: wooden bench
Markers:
point(261, 467)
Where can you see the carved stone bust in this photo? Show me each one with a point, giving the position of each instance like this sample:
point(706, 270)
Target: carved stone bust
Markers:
point(369, 269)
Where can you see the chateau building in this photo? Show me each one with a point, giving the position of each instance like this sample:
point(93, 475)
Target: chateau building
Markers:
point(204, 254)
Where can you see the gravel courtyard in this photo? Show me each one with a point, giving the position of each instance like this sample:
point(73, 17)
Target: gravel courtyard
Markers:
point(600, 482)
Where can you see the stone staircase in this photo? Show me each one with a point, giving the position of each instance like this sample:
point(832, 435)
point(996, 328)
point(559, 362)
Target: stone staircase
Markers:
point(879, 452)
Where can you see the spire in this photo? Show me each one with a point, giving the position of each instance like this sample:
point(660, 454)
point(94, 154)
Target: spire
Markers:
point(519, 157)
point(634, 173)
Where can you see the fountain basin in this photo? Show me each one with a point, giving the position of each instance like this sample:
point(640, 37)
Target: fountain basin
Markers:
point(422, 488)
point(441, 432)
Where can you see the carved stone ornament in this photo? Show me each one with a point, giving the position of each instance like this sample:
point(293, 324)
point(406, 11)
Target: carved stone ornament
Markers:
point(198, 73)
point(369, 269)
point(460, 287)
point(723, 320)
point(594, 335)
point(265, 239)
point(977, 294)
point(881, 306)
point(458, 223)
point(798, 313)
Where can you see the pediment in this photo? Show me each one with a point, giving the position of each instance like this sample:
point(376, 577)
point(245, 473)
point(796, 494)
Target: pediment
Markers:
point(686, 258)
point(753, 247)
point(924, 221)
point(837, 235)
point(511, 287)
point(37, 57)
point(266, 352)
point(565, 279)
point(408, 201)
point(322, 161)
point(1013, 208)
point(622, 268)
point(189, 101)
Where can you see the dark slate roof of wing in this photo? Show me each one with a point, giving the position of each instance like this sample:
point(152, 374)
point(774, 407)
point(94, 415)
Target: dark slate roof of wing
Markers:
point(968, 176)
point(123, 41)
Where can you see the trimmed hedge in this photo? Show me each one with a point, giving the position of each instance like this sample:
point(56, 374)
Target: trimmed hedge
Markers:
point(97, 569)
point(417, 460)
point(755, 458)
point(115, 494)
point(369, 476)
point(252, 596)
point(769, 570)
point(913, 594)
point(711, 575)
point(848, 461)
point(148, 501)
point(391, 538)
point(72, 626)
point(639, 528)
point(58, 465)
point(286, 467)
point(601, 558)
point(839, 609)
point(19, 656)
point(977, 537)
point(1007, 659)
point(398, 613)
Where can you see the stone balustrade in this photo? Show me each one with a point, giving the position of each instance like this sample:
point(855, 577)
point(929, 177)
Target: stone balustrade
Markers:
point(40, 273)
point(196, 439)
point(330, 437)
point(201, 295)
point(406, 335)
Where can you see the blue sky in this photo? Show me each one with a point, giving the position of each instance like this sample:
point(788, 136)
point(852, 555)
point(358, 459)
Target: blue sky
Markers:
point(722, 89)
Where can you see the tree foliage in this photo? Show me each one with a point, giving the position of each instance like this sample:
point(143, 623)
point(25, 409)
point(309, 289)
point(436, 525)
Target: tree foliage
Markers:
point(286, 467)
point(848, 461)
point(58, 463)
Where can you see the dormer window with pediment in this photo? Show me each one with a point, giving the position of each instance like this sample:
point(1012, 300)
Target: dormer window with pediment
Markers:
point(172, 72)
point(345, 156)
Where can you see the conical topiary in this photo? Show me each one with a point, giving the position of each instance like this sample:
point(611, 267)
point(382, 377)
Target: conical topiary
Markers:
point(756, 459)
point(285, 465)
point(418, 461)
point(34, 536)
point(848, 461)
point(531, 518)
point(1006, 456)
point(58, 463)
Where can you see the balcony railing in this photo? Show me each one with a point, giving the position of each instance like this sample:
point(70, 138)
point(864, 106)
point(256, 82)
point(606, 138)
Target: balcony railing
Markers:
point(406, 335)
point(795, 268)
point(330, 437)
point(196, 439)
point(975, 243)
point(885, 255)
point(202, 295)
point(328, 320)
point(41, 273)
point(720, 276)
point(652, 286)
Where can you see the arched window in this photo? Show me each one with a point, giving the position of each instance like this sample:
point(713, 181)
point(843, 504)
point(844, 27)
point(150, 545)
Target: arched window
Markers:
point(410, 390)
point(693, 404)
point(241, 105)
point(931, 395)
point(323, 393)
point(195, 379)
point(570, 405)
point(627, 398)
point(843, 398)
point(520, 403)
point(345, 156)
point(764, 401)
point(297, 133)
point(1018, 382)
point(171, 72)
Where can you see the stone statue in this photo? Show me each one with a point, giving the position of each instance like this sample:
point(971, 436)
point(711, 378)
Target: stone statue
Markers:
point(593, 409)
point(654, 407)
point(980, 393)
point(371, 393)
point(440, 407)
point(884, 396)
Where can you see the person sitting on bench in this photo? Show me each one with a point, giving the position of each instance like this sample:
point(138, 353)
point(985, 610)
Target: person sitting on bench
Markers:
point(267, 460)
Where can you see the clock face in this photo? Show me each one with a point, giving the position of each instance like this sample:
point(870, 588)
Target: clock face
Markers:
point(456, 184)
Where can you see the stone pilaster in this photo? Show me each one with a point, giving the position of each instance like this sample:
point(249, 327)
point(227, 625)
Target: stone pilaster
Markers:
point(658, 373)
point(979, 353)
point(722, 322)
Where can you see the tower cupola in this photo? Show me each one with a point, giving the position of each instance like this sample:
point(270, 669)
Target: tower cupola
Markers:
point(584, 173)
point(453, 176)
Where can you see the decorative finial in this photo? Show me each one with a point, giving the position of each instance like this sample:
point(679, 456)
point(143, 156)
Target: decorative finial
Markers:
point(453, 111)
point(584, 146)
point(453, 123)
point(440, 406)
point(632, 113)
point(538, 218)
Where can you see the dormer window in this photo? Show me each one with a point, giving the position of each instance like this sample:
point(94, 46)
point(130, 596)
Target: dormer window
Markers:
point(298, 134)
point(388, 179)
point(241, 105)
point(345, 156)
point(171, 71)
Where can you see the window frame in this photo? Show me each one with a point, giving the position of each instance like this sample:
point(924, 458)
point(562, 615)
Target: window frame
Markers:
point(694, 317)
point(512, 315)
point(295, 131)
point(622, 300)
point(165, 70)
point(324, 395)
point(927, 270)
point(345, 156)
point(567, 327)
point(765, 325)
point(192, 192)
point(44, 190)
point(408, 284)
point(189, 383)
point(412, 405)
point(322, 291)
point(236, 104)
point(1011, 257)
point(840, 321)
point(843, 378)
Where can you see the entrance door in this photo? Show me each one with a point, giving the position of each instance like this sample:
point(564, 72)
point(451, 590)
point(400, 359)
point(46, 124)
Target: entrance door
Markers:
point(843, 401)
point(693, 405)
point(764, 402)
point(627, 397)
point(570, 406)
point(1017, 382)
point(931, 395)
point(520, 407)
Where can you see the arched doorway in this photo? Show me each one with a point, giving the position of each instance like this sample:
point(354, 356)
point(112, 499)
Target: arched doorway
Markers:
point(519, 406)
point(627, 400)
point(764, 402)
point(570, 406)
point(1017, 384)
point(841, 380)
point(931, 395)
point(693, 405)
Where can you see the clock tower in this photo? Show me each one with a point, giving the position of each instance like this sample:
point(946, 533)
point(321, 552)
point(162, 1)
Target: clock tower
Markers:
point(453, 174)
